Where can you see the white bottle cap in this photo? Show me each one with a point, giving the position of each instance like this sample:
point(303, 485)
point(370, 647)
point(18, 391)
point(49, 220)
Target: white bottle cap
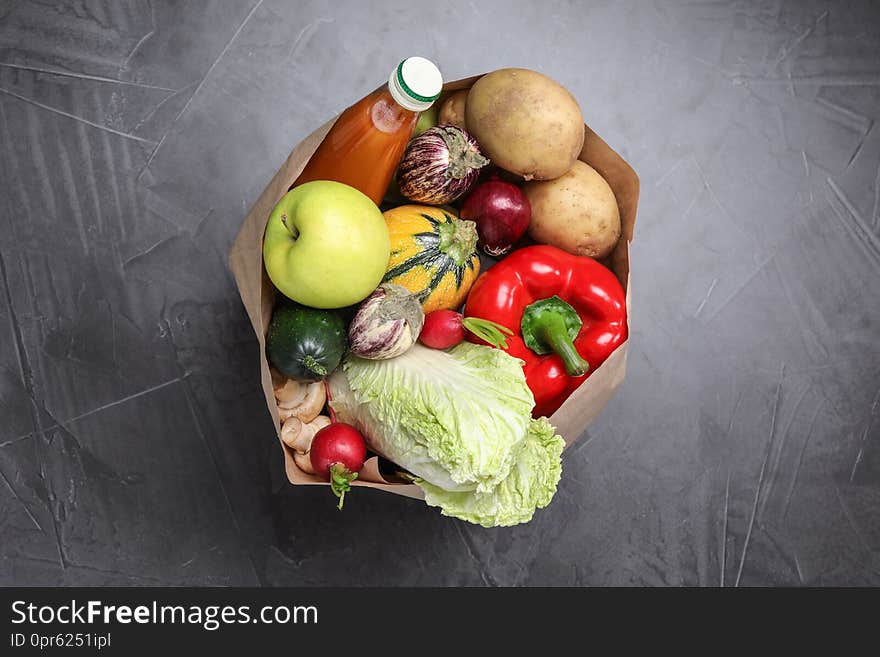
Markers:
point(415, 83)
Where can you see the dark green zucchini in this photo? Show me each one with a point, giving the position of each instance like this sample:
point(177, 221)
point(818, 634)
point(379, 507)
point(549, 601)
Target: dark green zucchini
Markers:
point(305, 344)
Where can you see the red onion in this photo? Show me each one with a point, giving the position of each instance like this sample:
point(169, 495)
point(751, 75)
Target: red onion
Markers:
point(502, 214)
point(439, 165)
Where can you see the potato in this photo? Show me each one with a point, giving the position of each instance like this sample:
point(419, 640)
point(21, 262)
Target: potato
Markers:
point(452, 110)
point(576, 212)
point(525, 122)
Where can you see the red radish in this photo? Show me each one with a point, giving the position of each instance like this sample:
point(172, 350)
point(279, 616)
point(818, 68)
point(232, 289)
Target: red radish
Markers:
point(502, 214)
point(337, 453)
point(445, 328)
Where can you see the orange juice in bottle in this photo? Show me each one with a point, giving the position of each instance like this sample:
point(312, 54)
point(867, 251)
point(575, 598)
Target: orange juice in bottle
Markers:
point(365, 144)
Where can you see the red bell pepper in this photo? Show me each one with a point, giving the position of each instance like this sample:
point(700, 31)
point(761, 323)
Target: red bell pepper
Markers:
point(568, 313)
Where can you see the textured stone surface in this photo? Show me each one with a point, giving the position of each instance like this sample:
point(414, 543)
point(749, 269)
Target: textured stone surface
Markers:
point(744, 447)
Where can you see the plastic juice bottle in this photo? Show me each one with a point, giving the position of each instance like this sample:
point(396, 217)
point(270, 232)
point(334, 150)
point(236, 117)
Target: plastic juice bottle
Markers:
point(365, 144)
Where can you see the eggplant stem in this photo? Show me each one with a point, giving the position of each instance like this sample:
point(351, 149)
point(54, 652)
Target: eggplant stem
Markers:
point(464, 157)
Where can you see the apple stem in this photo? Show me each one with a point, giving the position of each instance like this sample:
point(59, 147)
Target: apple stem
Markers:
point(294, 233)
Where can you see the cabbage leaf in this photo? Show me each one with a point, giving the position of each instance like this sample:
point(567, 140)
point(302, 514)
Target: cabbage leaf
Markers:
point(530, 484)
point(460, 421)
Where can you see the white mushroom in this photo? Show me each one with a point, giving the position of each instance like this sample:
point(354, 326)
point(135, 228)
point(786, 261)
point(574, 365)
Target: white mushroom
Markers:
point(314, 402)
point(284, 414)
point(303, 462)
point(293, 436)
point(300, 400)
point(291, 393)
point(298, 435)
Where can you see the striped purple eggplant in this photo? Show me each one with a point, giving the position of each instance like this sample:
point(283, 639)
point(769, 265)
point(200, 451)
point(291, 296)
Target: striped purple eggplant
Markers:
point(387, 323)
point(439, 165)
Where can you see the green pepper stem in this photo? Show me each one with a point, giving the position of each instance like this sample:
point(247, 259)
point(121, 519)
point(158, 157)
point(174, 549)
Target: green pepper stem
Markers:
point(551, 329)
point(551, 325)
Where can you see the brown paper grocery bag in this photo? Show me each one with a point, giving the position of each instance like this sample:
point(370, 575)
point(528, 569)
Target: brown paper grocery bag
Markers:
point(258, 294)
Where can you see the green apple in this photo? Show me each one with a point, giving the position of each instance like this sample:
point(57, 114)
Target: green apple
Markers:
point(427, 119)
point(326, 245)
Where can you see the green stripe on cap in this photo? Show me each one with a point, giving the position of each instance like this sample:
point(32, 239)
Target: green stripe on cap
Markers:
point(409, 92)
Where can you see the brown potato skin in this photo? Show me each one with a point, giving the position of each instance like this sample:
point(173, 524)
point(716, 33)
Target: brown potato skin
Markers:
point(525, 122)
point(452, 110)
point(576, 212)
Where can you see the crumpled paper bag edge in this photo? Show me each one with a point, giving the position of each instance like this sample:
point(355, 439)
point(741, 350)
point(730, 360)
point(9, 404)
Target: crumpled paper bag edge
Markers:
point(257, 294)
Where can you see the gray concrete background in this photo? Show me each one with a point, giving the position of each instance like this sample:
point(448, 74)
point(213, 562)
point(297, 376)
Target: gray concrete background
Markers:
point(744, 446)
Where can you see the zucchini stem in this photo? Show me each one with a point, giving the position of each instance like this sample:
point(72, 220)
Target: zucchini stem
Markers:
point(314, 366)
